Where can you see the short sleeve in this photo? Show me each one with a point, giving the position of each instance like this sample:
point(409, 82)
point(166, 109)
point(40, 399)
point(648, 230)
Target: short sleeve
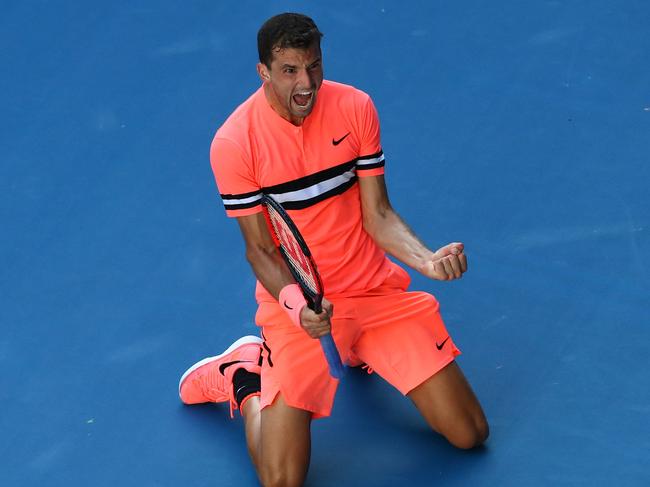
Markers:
point(371, 157)
point(233, 172)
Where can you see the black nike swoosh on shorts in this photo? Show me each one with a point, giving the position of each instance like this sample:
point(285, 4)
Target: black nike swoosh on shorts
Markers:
point(439, 347)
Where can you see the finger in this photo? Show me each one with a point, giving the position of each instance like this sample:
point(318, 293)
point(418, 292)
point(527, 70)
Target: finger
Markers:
point(312, 317)
point(454, 248)
point(462, 258)
point(319, 320)
point(315, 324)
point(322, 333)
point(306, 315)
point(455, 265)
point(318, 331)
point(449, 270)
point(324, 317)
point(441, 271)
point(437, 270)
point(328, 309)
point(313, 333)
point(443, 251)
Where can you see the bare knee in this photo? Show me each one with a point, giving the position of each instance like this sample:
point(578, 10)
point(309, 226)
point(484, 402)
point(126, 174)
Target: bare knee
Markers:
point(285, 445)
point(471, 435)
point(282, 478)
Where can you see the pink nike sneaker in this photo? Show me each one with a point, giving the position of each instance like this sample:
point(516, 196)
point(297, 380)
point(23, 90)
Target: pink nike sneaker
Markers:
point(210, 380)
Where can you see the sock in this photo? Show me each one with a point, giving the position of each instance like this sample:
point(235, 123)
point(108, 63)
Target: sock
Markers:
point(244, 384)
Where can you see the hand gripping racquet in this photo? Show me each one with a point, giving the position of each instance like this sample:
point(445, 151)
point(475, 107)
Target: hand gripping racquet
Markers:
point(296, 254)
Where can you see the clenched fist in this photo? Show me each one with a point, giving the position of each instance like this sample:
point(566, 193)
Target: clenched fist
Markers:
point(447, 263)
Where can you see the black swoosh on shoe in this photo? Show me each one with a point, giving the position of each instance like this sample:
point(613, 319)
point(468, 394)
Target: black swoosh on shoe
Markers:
point(224, 366)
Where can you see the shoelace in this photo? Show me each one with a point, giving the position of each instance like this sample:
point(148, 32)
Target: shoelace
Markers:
point(367, 368)
point(212, 385)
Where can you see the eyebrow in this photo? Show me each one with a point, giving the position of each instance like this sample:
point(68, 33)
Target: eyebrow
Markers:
point(316, 61)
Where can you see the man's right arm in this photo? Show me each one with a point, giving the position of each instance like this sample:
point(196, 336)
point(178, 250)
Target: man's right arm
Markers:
point(262, 254)
point(272, 271)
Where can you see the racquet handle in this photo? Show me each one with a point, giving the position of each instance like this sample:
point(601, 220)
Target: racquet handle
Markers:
point(332, 356)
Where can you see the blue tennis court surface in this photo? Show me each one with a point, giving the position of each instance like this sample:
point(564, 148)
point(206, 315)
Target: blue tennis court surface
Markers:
point(519, 128)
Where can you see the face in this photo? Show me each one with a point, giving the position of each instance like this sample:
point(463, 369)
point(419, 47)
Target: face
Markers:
point(292, 81)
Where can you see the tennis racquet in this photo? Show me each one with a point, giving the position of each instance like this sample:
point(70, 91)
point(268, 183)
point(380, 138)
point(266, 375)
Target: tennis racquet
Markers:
point(296, 254)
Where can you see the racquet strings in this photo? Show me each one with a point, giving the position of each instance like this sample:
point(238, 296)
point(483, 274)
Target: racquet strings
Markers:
point(294, 253)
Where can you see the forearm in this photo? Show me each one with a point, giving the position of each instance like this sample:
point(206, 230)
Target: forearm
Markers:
point(269, 268)
point(272, 272)
point(397, 239)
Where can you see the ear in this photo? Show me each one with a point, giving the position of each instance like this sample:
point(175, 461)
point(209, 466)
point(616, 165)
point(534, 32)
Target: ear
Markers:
point(263, 71)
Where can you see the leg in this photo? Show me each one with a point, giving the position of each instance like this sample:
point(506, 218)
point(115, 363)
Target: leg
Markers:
point(279, 442)
point(450, 407)
point(409, 346)
point(252, 414)
point(278, 436)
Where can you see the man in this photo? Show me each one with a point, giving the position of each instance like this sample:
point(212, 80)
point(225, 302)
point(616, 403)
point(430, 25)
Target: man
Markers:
point(315, 144)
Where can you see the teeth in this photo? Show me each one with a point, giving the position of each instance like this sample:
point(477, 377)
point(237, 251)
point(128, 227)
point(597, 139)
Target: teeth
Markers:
point(304, 93)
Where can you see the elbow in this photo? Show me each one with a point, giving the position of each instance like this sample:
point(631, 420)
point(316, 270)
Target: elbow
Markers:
point(370, 227)
point(374, 221)
point(252, 255)
point(256, 253)
point(369, 224)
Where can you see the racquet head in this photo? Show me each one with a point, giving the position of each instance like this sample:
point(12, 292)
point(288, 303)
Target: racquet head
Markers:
point(295, 252)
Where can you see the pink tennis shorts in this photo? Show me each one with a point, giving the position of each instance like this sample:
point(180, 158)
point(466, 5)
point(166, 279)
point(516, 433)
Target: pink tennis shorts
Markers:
point(399, 334)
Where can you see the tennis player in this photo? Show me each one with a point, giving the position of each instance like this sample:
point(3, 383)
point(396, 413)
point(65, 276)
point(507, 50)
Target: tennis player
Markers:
point(315, 145)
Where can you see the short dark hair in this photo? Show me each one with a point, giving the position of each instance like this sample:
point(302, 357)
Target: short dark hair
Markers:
point(286, 30)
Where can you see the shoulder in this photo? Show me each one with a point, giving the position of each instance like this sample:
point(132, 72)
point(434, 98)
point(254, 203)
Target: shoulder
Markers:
point(345, 96)
point(237, 126)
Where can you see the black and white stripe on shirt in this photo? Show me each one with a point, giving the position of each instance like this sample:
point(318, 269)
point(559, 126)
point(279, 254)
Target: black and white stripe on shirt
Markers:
point(308, 190)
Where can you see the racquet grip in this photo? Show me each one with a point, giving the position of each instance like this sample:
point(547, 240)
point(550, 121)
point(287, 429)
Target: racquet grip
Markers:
point(332, 356)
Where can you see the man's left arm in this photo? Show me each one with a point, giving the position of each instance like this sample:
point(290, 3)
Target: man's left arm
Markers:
point(393, 235)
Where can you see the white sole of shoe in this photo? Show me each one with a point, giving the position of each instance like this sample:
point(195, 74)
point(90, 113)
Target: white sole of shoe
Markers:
point(238, 343)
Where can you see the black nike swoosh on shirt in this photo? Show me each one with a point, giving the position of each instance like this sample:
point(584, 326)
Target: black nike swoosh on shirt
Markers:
point(287, 306)
point(224, 366)
point(337, 142)
point(439, 347)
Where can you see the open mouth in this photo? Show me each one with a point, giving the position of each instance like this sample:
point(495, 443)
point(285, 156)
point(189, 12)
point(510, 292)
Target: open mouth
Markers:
point(303, 98)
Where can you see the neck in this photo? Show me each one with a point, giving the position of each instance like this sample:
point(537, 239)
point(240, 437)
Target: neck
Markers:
point(279, 109)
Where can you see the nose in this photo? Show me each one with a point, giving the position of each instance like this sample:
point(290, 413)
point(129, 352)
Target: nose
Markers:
point(305, 78)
